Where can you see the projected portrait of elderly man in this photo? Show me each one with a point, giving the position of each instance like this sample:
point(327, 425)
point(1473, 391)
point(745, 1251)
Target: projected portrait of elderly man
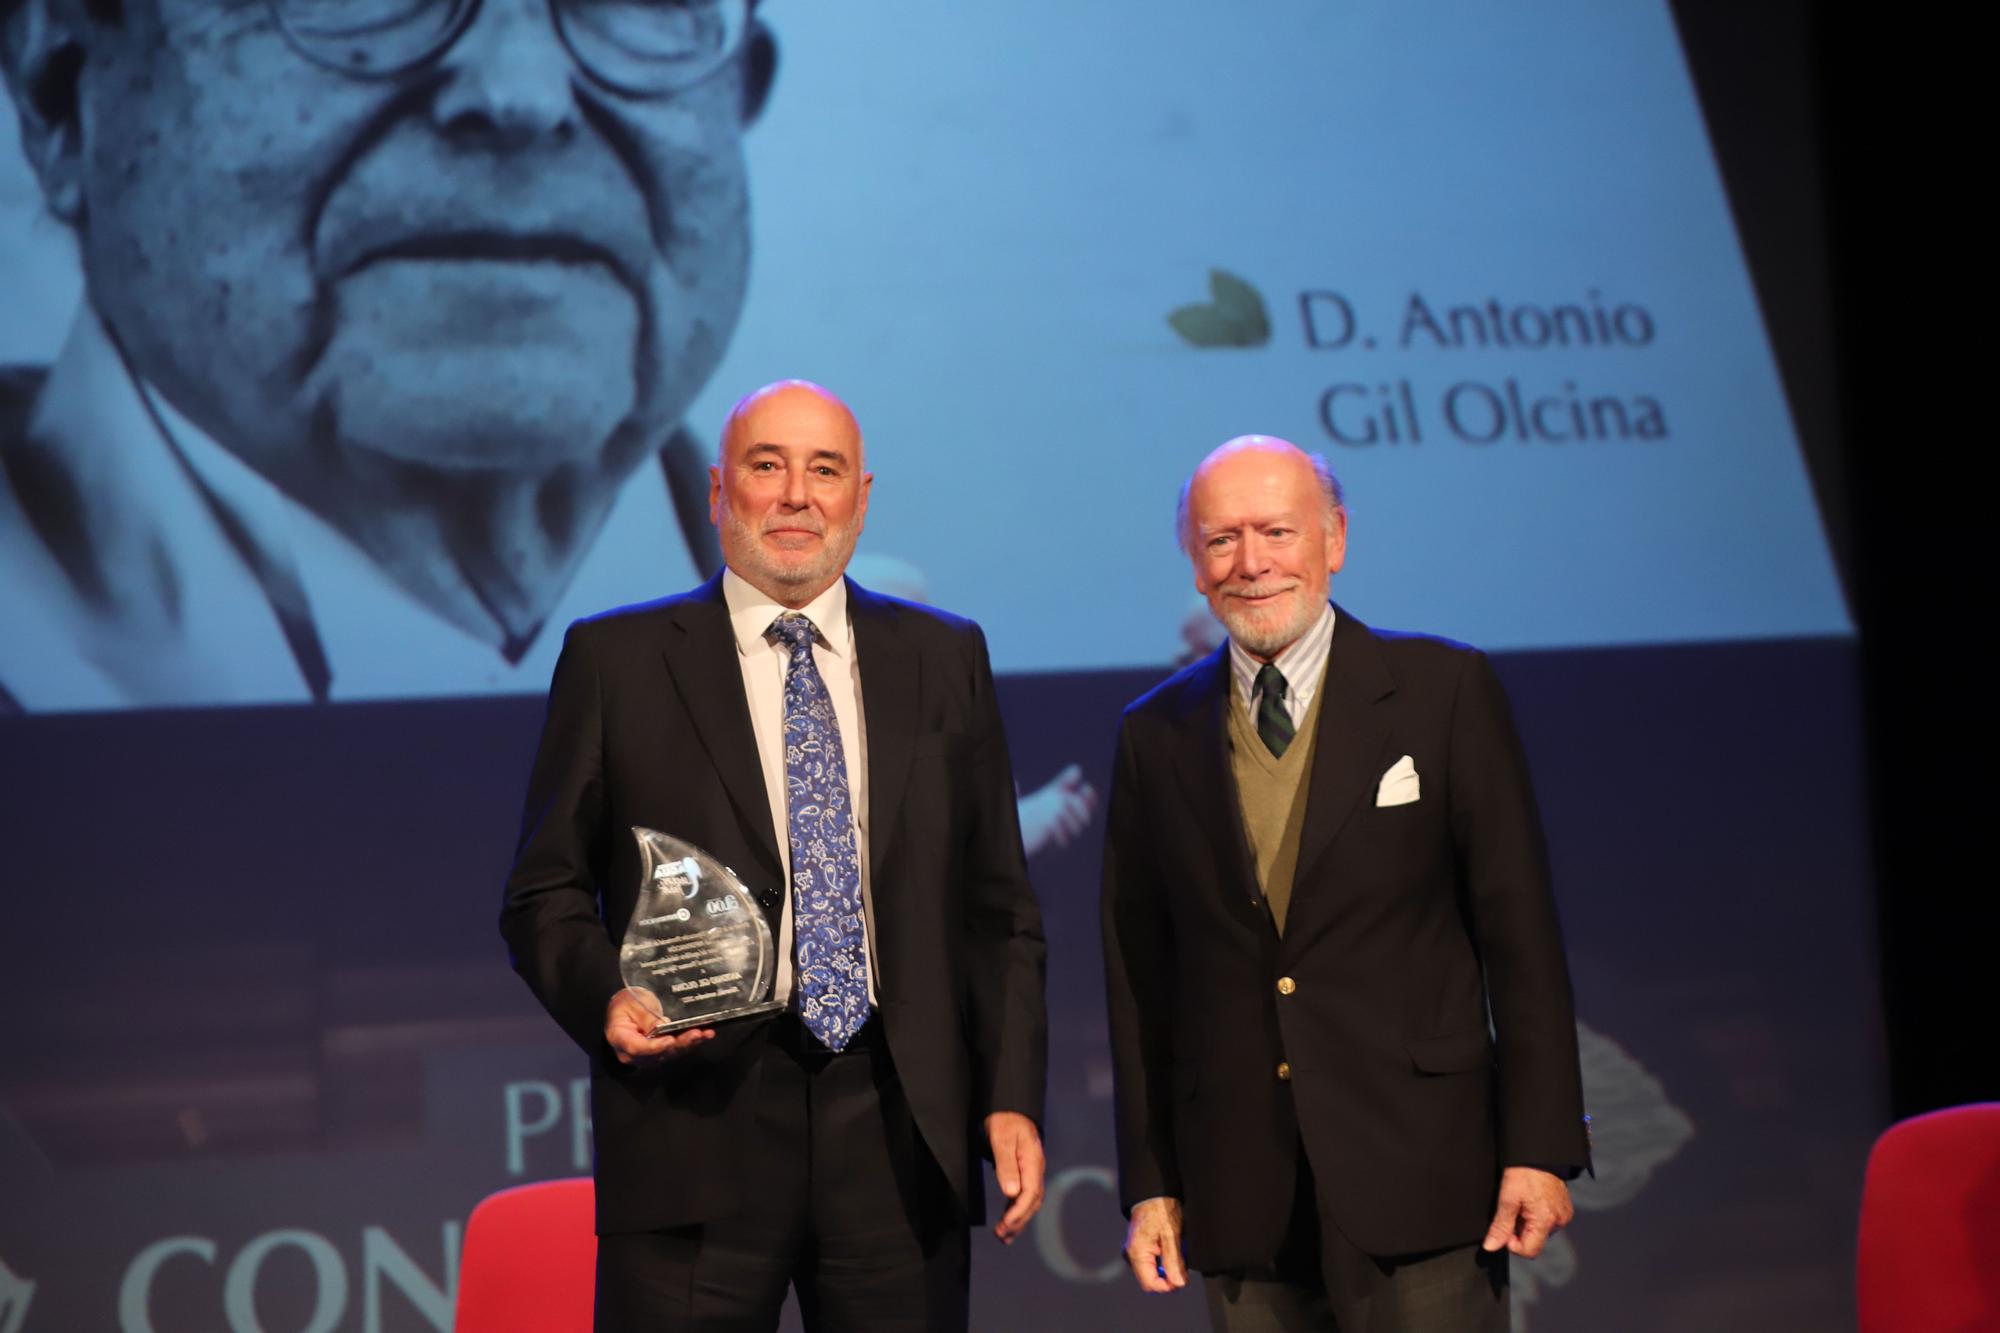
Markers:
point(393, 308)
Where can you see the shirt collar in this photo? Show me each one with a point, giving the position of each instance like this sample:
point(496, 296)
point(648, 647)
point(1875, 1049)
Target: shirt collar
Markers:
point(1301, 664)
point(751, 612)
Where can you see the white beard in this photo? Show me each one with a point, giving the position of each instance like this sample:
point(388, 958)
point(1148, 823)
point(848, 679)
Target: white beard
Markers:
point(1266, 632)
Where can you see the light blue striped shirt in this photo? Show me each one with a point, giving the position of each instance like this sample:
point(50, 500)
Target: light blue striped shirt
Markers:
point(1302, 665)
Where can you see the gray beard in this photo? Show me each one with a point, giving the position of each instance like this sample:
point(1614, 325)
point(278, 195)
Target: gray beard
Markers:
point(837, 546)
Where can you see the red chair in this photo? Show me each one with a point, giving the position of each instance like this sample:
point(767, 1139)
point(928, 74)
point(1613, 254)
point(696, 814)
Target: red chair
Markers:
point(529, 1262)
point(1929, 1259)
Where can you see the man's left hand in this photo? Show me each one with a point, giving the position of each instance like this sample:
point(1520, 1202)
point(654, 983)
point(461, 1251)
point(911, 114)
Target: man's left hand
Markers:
point(1017, 1162)
point(1534, 1205)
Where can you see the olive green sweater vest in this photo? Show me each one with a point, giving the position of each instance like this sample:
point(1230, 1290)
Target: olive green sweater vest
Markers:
point(1271, 792)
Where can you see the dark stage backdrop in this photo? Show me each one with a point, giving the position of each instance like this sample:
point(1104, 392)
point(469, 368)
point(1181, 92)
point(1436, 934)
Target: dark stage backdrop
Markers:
point(263, 1053)
point(289, 359)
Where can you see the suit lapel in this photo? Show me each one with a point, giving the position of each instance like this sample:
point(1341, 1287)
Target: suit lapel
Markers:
point(1348, 747)
point(1204, 774)
point(701, 655)
point(889, 706)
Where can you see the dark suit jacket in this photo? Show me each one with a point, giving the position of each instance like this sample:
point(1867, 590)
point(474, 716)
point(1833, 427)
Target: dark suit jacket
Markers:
point(648, 725)
point(1409, 927)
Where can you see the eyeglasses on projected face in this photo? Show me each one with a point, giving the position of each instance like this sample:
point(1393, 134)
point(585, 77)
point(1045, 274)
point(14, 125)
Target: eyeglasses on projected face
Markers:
point(644, 48)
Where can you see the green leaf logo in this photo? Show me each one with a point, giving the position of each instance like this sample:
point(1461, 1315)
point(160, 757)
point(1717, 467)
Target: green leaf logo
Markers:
point(1233, 317)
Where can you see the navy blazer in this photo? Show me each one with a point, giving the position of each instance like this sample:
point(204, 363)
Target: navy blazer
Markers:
point(1418, 1000)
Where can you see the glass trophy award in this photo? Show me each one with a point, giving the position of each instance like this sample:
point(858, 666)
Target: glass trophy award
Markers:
point(698, 948)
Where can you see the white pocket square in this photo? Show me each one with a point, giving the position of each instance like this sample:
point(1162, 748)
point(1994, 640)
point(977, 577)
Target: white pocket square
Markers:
point(1399, 784)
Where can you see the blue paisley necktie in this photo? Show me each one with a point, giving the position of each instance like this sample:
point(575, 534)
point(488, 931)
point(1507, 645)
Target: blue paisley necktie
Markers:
point(830, 968)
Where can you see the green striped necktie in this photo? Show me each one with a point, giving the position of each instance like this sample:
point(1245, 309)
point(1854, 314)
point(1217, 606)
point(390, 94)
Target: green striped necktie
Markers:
point(1274, 724)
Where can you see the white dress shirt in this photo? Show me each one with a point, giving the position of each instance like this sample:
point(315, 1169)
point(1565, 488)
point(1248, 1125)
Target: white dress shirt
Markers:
point(764, 659)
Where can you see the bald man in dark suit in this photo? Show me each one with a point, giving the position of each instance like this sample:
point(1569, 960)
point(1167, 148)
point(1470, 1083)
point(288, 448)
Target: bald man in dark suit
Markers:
point(814, 735)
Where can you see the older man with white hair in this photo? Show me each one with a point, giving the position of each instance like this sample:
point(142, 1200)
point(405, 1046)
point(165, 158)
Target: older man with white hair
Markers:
point(1342, 1031)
